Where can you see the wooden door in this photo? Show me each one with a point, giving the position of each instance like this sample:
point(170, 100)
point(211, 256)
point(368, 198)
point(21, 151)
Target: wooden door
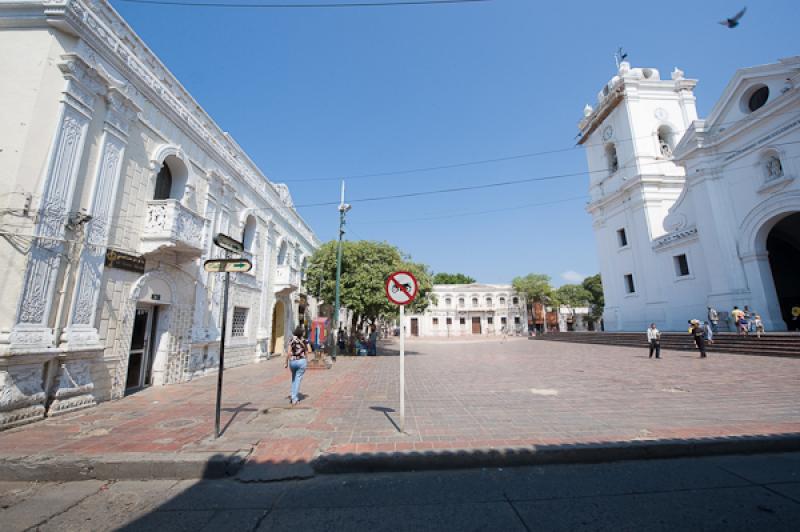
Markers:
point(414, 327)
point(476, 325)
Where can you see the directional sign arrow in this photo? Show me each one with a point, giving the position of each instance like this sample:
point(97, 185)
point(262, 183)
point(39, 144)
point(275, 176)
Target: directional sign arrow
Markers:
point(227, 265)
point(228, 243)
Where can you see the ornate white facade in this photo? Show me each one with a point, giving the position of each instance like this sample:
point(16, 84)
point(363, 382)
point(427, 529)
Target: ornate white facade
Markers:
point(694, 213)
point(114, 181)
point(470, 309)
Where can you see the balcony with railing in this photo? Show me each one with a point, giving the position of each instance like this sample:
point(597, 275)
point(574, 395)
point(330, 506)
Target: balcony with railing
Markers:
point(287, 279)
point(170, 225)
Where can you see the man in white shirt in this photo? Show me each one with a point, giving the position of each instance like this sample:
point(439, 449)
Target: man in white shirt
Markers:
point(654, 339)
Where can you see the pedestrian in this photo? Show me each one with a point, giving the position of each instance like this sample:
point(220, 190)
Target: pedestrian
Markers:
point(713, 318)
point(709, 334)
point(697, 332)
point(749, 315)
point(504, 332)
point(738, 320)
point(296, 353)
point(654, 339)
point(372, 349)
point(341, 340)
point(759, 325)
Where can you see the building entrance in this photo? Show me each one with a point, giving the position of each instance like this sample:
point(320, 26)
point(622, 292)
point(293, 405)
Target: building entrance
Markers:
point(783, 245)
point(476, 325)
point(414, 327)
point(140, 355)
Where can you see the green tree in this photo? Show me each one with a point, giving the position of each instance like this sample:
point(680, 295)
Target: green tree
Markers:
point(594, 285)
point(452, 278)
point(536, 288)
point(573, 295)
point(365, 267)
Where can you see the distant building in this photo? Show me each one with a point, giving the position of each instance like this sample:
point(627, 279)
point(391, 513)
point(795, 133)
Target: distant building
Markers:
point(470, 310)
point(114, 181)
point(692, 213)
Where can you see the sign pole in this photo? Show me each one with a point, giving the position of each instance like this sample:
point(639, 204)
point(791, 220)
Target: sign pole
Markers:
point(222, 352)
point(402, 368)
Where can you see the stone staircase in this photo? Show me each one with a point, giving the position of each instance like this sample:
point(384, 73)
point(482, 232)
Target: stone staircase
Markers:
point(771, 344)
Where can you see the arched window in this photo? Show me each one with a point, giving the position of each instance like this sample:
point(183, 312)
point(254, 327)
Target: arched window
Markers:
point(489, 301)
point(515, 301)
point(474, 301)
point(611, 157)
point(303, 268)
point(163, 183)
point(249, 234)
point(665, 141)
point(448, 302)
point(502, 301)
point(460, 301)
point(282, 252)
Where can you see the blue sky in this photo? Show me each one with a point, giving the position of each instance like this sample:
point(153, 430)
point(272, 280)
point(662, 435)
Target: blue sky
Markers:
point(336, 93)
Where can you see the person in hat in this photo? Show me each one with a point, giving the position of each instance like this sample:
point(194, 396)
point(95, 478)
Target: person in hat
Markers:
point(698, 333)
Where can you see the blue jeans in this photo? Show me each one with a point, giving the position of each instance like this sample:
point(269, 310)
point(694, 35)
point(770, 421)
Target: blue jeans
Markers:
point(298, 368)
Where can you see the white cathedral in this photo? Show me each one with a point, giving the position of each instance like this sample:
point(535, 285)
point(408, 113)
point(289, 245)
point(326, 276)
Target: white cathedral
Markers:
point(691, 213)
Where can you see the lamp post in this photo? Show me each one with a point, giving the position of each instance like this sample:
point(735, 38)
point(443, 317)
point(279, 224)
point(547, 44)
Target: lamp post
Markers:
point(343, 208)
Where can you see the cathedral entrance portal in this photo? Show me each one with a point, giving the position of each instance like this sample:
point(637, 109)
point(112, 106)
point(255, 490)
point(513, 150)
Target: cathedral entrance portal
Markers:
point(278, 328)
point(783, 245)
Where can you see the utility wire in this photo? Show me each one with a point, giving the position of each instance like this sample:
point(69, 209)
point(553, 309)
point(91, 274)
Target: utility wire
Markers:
point(335, 5)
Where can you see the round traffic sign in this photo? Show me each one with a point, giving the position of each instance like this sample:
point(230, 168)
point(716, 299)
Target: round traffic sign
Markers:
point(401, 288)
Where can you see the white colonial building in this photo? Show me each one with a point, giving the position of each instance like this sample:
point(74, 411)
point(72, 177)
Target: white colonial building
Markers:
point(113, 181)
point(694, 213)
point(470, 309)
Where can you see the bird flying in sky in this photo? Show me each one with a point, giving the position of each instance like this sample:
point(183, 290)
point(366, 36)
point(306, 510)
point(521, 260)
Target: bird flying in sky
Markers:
point(734, 20)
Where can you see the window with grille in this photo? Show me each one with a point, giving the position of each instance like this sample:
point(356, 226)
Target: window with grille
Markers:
point(462, 321)
point(435, 321)
point(239, 326)
point(489, 320)
point(449, 321)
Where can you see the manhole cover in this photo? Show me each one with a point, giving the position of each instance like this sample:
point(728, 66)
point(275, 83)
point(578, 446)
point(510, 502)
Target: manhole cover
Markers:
point(177, 423)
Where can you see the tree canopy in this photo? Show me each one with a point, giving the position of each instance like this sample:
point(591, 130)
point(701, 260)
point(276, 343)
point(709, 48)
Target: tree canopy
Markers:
point(452, 278)
point(594, 285)
point(535, 287)
point(365, 268)
point(573, 295)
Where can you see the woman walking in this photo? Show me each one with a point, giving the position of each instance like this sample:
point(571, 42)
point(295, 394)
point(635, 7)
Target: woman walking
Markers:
point(296, 361)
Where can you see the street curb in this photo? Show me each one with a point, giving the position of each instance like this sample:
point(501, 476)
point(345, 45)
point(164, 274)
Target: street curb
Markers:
point(127, 466)
point(195, 466)
point(554, 454)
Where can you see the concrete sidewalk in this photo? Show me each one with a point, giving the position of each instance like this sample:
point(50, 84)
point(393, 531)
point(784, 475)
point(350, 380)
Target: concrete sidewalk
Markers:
point(468, 405)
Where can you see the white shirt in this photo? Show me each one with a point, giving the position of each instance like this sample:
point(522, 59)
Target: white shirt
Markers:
point(653, 334)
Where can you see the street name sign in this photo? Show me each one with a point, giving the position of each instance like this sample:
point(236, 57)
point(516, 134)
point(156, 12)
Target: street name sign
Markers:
point(401, 288)
point(228, 243)
point(227, 265)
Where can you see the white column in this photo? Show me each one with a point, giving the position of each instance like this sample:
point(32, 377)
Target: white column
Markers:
point(81, 330)
point(265, 314)
point(33, 326)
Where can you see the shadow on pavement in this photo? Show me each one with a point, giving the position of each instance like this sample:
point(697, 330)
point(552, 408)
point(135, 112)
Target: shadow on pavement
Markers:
point(386, 411)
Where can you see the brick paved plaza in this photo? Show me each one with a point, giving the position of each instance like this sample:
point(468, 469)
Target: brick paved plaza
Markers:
point(460, 395)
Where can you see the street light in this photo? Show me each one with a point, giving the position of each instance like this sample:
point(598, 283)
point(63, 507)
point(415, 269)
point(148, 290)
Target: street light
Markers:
point(343, 208)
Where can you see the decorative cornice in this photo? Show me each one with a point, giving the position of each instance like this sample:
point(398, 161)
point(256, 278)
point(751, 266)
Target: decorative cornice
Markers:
point(105, 30)
point(674, 238)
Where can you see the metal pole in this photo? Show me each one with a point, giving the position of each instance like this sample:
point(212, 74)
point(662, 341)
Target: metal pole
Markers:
point(222, 351)
point(402, 369)
point(343, 208)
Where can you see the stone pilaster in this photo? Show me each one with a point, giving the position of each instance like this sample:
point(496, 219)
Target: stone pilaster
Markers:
point(81, 331)
point(265, 306)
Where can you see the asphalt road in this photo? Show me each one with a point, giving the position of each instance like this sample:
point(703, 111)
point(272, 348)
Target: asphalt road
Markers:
point(760, 492)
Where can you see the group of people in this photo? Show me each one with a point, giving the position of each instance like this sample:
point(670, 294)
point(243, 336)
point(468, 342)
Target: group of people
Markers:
point(359, 343)
point(745, 321)
point(700, 332)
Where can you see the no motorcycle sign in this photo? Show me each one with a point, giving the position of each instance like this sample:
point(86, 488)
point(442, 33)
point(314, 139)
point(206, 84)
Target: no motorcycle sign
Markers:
point(401, 288)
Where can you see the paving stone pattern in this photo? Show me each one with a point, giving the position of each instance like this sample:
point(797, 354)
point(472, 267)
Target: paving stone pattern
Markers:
point(460, 395)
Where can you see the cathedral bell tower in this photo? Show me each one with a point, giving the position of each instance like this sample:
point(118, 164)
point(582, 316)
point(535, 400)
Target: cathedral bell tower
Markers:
point(629, 138)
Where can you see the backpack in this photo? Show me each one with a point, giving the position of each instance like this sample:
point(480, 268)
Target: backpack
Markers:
point(297, 348)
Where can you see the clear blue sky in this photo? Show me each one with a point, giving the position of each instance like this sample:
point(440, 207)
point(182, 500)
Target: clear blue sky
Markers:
point(344, 92)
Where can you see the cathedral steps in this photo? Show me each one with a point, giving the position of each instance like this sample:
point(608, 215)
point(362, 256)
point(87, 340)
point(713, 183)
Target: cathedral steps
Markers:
point(771, 344)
